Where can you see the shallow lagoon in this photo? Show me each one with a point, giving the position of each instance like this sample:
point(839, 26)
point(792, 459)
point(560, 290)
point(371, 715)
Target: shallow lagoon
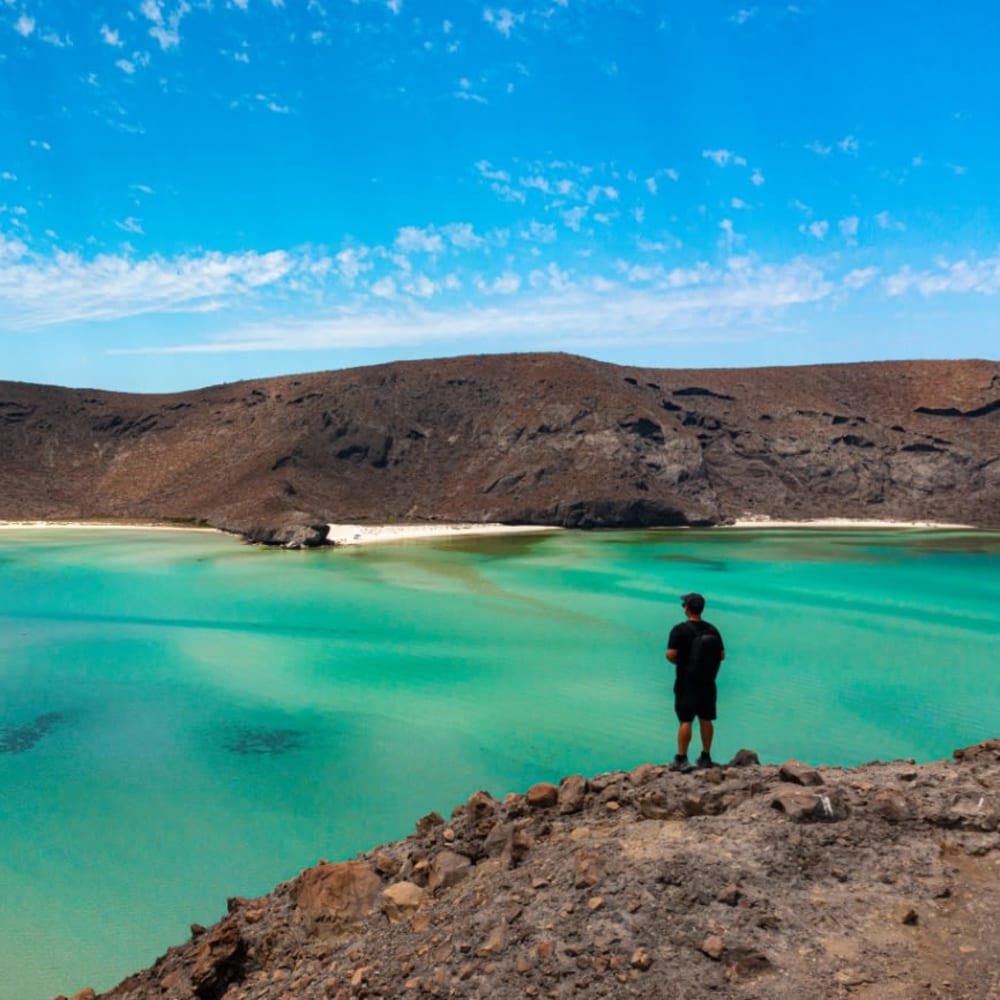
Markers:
point(184, 718)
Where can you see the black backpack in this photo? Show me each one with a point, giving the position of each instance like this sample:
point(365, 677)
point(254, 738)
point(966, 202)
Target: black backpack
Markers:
point(704, 654)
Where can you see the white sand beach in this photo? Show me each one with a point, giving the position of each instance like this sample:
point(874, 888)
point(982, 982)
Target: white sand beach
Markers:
point(369, 534)
point(857, 524)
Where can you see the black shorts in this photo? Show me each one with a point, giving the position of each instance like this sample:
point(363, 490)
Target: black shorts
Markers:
point(695, 702)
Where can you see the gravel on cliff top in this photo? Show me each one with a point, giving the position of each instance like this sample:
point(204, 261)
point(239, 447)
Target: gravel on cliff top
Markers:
point(743, 881)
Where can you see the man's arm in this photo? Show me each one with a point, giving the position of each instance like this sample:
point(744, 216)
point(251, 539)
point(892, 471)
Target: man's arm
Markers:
point(672, 655)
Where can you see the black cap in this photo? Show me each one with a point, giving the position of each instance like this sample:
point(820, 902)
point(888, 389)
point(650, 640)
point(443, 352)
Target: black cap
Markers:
point(694, 602)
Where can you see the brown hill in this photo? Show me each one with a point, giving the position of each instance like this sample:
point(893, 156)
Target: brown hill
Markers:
point(537, 438)
point(762, 883)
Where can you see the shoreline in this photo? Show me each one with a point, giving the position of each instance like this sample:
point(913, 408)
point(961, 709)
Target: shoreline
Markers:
point(353, 534)
point(104, 526)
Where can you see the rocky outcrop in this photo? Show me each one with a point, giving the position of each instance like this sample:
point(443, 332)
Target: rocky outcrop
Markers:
point(537, 439)
point(785, 882)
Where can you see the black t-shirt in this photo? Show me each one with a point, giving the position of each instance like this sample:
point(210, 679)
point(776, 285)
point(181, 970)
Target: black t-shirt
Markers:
point(681, 637)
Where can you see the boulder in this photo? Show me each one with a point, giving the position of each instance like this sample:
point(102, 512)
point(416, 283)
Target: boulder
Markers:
point(334, 899)
point(892, 805)
point(803, 806)
point(219, 961)
point(448, 868)
point(572, 792)
point(798, 773)
point(402, 900)
point(544, 795)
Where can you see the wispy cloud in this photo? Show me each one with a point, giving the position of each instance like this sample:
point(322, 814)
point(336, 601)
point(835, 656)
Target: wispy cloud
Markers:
point(885, 221)
point(957, 277)
point(130, 225)
point(24, 26)
point(38, 291)
point(563, 315)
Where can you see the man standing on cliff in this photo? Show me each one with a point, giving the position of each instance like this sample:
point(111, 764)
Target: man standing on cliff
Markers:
point(695, 648)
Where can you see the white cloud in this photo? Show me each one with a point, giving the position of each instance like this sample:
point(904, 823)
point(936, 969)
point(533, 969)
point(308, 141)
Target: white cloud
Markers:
point(819, 148)
point(504, 20)
point(487, 170)
point(651, 185)
point(707, 302)
point(672, 174)
point(538, 183)
point(737, 203)
point(957, 169)
point(819, 229)
point(462, 235)
point(272, 105)
point(130, 225)
point(539, 232)
point(111, 37)
point(412, 239)
point(849, 227)
point(6, 175)
point(466, 93)
point(601, 190)
point(506, 284)
point(40, 144)
point(24, 25)
point(125, 65)
point(756, 178)
point(351, 262)
point(885, 221)
point(385, 288)
point(859, 277)
point(955, 277)
point(848, 145)
point(394, 5)
point(420, 287)
point(743, 15)
point(573, 217)
point(724, 157)
point(166, 27)
point(729, 237)
point(66, 286)
point(56, 40)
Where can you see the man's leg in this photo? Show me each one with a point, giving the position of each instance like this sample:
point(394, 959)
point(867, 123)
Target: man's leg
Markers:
point(707, 732)
point(683, 738)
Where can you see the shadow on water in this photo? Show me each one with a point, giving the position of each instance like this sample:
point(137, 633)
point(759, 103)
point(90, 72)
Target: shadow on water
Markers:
point(263, 741)
point(493, 546)
point(19, 739)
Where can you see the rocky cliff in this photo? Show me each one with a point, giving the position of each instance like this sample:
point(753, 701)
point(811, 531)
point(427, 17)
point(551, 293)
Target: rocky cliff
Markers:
point(550, 439)
point(745, 881)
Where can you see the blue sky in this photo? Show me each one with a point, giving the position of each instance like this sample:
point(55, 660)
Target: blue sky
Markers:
point(197, 191)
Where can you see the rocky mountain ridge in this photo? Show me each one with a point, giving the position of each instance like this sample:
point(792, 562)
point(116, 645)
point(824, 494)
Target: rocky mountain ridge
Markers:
point(742, 881)
point(533, 439)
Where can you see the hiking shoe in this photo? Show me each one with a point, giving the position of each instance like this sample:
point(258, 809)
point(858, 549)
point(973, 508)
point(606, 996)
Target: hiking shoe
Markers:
point(680, 763)
point(705, 760)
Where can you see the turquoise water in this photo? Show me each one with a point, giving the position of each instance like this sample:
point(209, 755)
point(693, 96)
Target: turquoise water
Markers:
point(184, 718)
